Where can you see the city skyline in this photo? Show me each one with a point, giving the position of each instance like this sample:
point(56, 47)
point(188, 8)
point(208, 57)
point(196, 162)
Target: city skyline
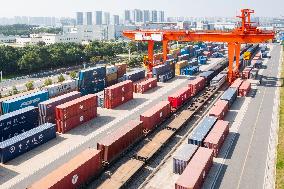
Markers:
point(190, 8)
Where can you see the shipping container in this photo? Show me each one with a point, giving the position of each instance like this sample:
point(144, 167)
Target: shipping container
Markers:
point(121, 139)
point(155, 115)
point(218, 80)
point(230, 95)
point(75, 107)
point(61, 88)
point(182, 157)
point(135, 75)
point(179, 65)
point(254, 73)
point(217, 136)
point(166, 77)
point(101, 99)
point(26, 141)
point(24, 101)
point(208, 76)
point(74, 173)
point(145, 85)
point(92, 74)
point(196, 85)
point(178, 98)
point(219, 109)
point(92, 86)
point(17, 122)
point(121, 69)
point(201, 131)
point(196, 171)
point(244, 88)
point(111, 69)
point(160, 70)
point(237, 83)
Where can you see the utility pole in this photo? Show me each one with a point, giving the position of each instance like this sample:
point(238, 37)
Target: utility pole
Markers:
point(1, 76)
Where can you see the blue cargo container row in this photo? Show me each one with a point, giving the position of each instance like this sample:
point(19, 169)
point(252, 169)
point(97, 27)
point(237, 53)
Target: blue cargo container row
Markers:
point(24, 101)
point(208, 75)
point(167, 76)
point(202, 60)
point(17, 122)
point(202, 130)
point(230, 95)
point(189, 70)
point(92, 74)
point(135, 75)
point(93, 87)
point(27, 141)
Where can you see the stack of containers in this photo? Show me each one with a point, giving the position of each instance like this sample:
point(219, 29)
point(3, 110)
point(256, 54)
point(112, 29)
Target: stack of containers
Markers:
point(237, 83)
point(179, 97)
point(61, 88)
point(202, 60)
point(22, 143)
point(190, 70)
point(230, 95)
point(92, 80)
point(182, 157)
point(219, 109)
point(196, 171)
point(179, 66)
point(101, 99)
point(246, 73)
point(118, 141)
point(73, 113)
point(154, 116)
point(175, 52)
point(254, 73)
point(15, 96)
point(167, 76)
point(111, 75)
point(121, 70)
point(201, 131)
point(118, 94)
point(244, 88)
point(145, 85)
point(208, 75)
point(24, 101)
point(135, 75)
point(47, 108)
point(19, 121)
point(160, 70)
point(74, 173)
point(217, 136)
point(196, 85)
point(218, 80)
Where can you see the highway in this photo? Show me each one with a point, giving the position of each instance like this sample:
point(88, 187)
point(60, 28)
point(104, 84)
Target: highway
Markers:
point(243, 159)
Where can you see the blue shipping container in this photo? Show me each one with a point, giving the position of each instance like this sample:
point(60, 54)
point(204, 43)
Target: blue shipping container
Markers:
point(208, 75)
point(135, 75)
point(202, 130)
point(27, 141)
point(93, 87)
point(14, 123)
point(24, 101)
point(98, 72)
point(230, 95)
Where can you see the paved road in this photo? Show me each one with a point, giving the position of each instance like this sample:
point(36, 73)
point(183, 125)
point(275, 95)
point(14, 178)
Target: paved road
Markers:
point(245, 163)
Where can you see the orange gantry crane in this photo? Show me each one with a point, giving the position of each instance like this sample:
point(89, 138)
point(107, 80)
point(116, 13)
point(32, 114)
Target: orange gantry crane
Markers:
point(246, 33)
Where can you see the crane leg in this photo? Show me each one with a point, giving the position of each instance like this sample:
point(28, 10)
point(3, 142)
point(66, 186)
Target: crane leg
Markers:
point(150, 55)
point(231, 55)
point(237, 54)
point(165, 50)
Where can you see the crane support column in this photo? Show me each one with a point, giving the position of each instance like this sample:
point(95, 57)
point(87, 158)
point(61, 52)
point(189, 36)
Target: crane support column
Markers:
point(231, 56)
point(150, 53)
point(237, 54)
point(165, 50)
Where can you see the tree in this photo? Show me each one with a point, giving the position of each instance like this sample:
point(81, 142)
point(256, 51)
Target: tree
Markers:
point(47, 82)
point(29, 85)
point(73, 75)
point(14, 90)
point(61, 78)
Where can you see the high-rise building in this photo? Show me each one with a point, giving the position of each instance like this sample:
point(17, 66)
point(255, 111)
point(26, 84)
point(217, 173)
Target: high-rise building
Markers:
point(79, 18)
point(146, 16)
point(161, 16)
point(154, 16)
point(98, 17)
point(115, 20)
point(106, 18)
point(88, 19)
point(127, 16)
point(138, 15)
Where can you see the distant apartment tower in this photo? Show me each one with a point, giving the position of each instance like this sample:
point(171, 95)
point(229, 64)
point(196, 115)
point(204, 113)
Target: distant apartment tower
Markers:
point(79, 18)
point(88, 19)
point(154, 16)
point(161, 16)
point(106, 18)
point(115, 20)
point(138, 15)
point(127, 16)
point(146, 16)
point(98, 17)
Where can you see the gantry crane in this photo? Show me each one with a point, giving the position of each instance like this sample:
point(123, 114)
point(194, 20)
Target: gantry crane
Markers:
point(245, 33)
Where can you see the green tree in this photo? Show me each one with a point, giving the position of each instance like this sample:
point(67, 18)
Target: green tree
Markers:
point(14, 90)
point(29, 85)
point(61, 78)
point(47, 82)
point(73, 75)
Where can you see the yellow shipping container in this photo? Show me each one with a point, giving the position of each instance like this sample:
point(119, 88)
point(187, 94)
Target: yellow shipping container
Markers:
point(179, 65)
point(111, 77)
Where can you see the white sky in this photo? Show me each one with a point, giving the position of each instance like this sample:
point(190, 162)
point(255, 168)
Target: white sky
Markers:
point(10, 8)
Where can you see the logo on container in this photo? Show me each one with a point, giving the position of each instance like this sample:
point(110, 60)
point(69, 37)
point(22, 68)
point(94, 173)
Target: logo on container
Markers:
point(81, 118)
point(75, 179)
point(161, 114)
point(30, 102)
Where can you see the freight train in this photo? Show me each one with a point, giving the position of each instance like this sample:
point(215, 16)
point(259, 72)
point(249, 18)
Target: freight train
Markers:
point(120, 141)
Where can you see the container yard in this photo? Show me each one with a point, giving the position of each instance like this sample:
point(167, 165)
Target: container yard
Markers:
point(185, 120)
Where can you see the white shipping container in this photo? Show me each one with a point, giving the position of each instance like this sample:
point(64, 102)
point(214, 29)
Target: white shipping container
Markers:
point(111, 69)
point(62, 88)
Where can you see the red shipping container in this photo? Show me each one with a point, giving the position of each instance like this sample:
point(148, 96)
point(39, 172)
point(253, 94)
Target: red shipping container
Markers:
point(150, 75)
point(74, 173)
point(146, 85)
point(74, 107)
point(219, 109)
point(118, 141)
point(136, 83)
point(244, 88)
point(246, 73)
point(178, 98)
point(196, 85)
point(237, 83)
point(196, 171)
point(217, 136)
point(66, 125)
point(112, 103)
point(155, 115)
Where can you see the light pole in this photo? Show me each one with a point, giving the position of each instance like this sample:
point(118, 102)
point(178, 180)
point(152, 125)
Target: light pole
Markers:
point(1, 76)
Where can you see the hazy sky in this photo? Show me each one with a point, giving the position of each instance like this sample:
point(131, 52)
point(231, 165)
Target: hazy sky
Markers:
point(10, 8)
